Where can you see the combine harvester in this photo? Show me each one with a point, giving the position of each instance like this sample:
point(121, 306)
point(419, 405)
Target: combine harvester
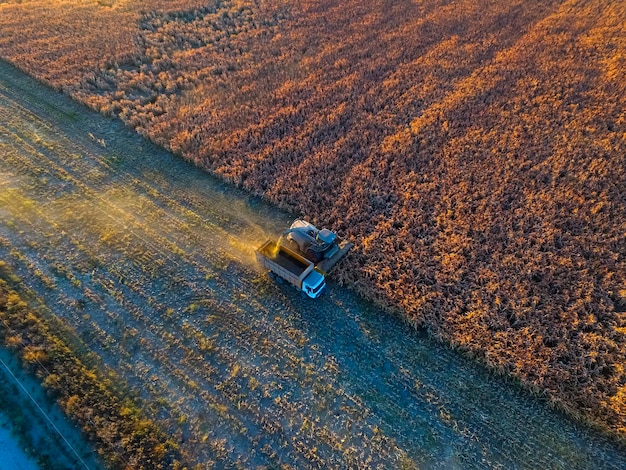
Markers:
point(303, 255)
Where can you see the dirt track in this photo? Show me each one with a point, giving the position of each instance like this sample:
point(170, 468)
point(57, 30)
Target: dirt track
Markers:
point(151, 261)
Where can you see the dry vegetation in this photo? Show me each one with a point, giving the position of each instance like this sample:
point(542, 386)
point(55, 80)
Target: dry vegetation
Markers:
point(113, 422)
point(473, 150)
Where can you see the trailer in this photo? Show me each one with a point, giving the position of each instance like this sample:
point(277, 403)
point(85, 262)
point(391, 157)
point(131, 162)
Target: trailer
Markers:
point(292, 267)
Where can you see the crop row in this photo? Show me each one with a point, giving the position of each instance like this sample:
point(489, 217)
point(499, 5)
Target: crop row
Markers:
point(153, 271)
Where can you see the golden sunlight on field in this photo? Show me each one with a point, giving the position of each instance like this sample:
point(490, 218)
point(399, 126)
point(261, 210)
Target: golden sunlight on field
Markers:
point(473, 150)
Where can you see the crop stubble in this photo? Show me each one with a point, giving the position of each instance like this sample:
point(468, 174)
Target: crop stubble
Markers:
point(153, 271)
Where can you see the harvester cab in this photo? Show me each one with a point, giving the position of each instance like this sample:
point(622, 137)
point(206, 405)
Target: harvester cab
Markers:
point(310, 242)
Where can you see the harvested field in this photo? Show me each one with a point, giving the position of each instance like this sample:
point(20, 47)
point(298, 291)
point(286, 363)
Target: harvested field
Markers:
point(150, 262)
point(474, 151)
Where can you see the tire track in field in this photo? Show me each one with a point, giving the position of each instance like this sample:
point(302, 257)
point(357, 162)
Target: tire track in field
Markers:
point(140, 253)
point(76, 183)
point(126, 302)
